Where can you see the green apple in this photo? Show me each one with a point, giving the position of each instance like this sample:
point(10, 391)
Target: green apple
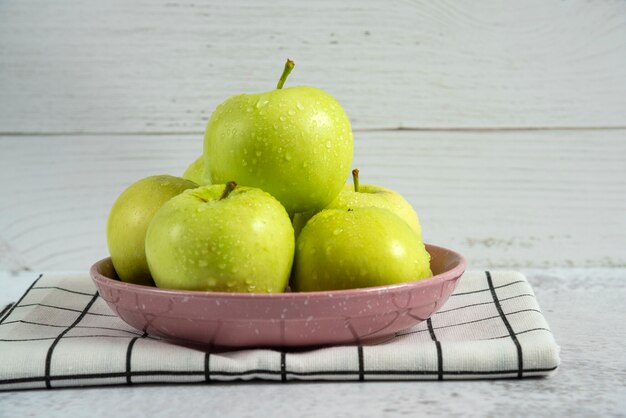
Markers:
point(221, 238)
point(295, 143)
point(366, 195)
point(129, 219)
point(196, 173)
point(354, 248)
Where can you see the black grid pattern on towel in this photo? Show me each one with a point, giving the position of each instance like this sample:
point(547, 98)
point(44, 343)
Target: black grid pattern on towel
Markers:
point(63, 323)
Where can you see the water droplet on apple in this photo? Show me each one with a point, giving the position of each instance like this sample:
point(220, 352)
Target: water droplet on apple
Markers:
point(258, 153)
point(329, 144)
point(282, 118)
point(203, 263)
point(249, 109)
point(337, 231)
point(288, 157)
point(299, 106)
point(221, 266)
point(244, 162)
point(291, 112)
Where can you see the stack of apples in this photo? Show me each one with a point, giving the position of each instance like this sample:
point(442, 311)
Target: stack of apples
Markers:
point(266, 208)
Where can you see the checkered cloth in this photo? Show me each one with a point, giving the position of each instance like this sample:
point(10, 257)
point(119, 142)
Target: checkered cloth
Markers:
point(61, 333)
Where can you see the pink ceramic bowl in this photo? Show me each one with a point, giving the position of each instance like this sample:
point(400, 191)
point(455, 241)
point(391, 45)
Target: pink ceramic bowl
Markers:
point(280, 319)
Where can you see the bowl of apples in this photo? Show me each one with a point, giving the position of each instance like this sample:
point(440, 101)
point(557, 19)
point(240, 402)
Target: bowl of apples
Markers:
point(288, 319)
point(262, 244)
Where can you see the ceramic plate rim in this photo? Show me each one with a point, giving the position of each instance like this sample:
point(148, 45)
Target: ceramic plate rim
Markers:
point(454, 272)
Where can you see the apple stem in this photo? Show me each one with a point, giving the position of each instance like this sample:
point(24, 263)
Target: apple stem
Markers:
point(230, 186)
point(355, 179)
point(288, 67)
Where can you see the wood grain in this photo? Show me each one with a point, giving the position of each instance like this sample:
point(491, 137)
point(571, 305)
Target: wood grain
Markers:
point(147, 66)
point(516, 199)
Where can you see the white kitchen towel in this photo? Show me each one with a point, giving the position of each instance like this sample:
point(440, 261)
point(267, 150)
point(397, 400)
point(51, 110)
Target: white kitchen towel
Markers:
point(62, 334)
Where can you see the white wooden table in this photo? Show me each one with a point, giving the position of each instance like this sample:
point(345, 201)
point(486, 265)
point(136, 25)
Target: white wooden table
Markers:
point(503, 124)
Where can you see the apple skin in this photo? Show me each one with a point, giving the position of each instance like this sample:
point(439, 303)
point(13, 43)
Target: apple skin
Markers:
point(196, 173)
point(241, 243)
point(361, 247)
point(295, 143)
point(369, 195)
point(129, 219)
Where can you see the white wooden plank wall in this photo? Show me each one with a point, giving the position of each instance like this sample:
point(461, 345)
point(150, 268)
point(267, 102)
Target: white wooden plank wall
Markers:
point(503, 123)
point(120, 66)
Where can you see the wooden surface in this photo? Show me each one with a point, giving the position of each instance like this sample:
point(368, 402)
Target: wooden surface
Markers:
point(514, 199)
point(505, 126)
point(146, 66)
